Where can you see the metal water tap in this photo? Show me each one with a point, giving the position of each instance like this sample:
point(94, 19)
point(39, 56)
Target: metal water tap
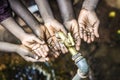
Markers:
point(79, 60)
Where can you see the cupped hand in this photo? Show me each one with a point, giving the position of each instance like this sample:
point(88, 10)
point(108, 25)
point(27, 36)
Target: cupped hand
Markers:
point(42, 32)
point(72, 26)
point(36, 45)
point(88, 25)
point(28, 55)
point(53, 26)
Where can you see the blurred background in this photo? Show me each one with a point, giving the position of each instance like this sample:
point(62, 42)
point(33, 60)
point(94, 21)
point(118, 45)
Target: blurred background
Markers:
point(103, 55)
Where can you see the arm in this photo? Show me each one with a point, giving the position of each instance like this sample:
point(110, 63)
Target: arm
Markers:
point(88, 21)
point(8, 47)
point(24, 52)
point(66, 9)
point(69, 20)
point(52, 25)
point(45, 10)
point(14, 28)
point(28, 40)
point(90, 4)
point(20, 9)
point(8, 22)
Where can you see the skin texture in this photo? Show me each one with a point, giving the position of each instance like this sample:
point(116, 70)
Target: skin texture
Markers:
point(52, 25)
point(29, 40)
point(40, 30)
point(20, 9)
point(88, 25)
point(90, 4)
point(69, 20)
point(24, 52)
point(88, 21)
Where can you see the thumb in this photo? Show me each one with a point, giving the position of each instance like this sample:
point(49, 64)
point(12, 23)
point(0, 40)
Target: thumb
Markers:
point(38, 40)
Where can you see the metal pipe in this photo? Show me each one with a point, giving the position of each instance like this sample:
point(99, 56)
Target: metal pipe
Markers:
point(80, 61)
point(76, 77)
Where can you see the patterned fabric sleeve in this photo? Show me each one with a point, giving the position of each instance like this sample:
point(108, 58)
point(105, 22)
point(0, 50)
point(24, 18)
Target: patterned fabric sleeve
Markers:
point(5, 10)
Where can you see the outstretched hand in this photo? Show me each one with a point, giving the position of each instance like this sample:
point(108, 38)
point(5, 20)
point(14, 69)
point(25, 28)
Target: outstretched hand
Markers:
point(26, 54)
point(72, 26)
point(53, 26)
point(88, 25)
point(36, 45)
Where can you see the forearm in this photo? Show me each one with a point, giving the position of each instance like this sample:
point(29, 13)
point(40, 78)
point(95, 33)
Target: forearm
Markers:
point(45, 10)
point(66, 9)
point(20, 9)
point(14, 28)
point(8, 47)
point(90, 4)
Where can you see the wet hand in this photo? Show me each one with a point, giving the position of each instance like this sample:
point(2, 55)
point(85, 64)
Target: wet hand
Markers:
point(42, 32)
point(72, 26)
point(54, 26)
point(36, 45)
point(28, 55)
point(88, 25)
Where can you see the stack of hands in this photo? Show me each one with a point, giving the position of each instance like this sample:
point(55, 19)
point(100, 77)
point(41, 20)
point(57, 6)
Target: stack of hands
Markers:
point(46, 44)
point(85, 28)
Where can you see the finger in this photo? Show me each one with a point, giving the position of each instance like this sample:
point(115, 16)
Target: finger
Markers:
point(88, 39)
point(85, 36)
point(81, 31)
point(46, 59)
point(46, 48)
point(29, 45)
point(92, 36)
point(53, 51)
point(56, 54)
point(64, 31)
point(57, 45)
point(62, 28)
point(96, 29)
point(44, 54)
point(34, 60)
point(35, 46)
point(53, 46)
point(38, 52)
point(33, 55)
point(38, 40)
point(42, 59)
point(78, 42)
point(56, 42)
point(62, 48)
point(52, 42)
point(66, 50)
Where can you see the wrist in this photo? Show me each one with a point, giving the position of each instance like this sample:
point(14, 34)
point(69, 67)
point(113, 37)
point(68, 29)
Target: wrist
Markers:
point(90, 4)
point(24, 36)
point(88, 8)
point(68, 24)
point(49, 20)
point(68, 18)
point(17, 48)
point(84, 11)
